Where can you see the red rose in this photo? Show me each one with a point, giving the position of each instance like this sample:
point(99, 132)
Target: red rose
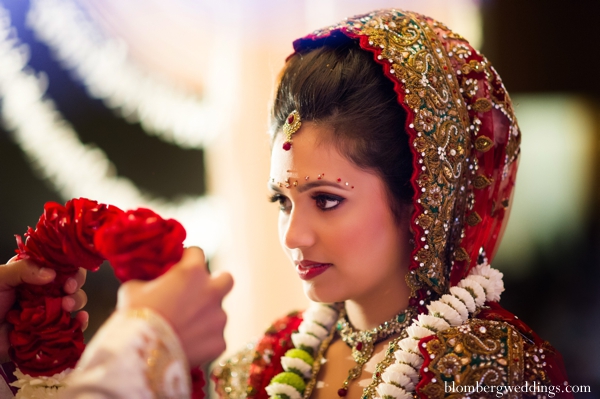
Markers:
point(140, 244)
point(45, 339)
point(64, 236)
point(45, 243)
point(86, 218)
point(198, 383)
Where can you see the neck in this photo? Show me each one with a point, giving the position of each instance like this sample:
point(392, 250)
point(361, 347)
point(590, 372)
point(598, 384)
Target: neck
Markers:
point(374, 309)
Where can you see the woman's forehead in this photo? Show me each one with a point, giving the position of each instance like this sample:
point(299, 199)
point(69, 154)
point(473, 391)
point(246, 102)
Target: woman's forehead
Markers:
point(309, 155)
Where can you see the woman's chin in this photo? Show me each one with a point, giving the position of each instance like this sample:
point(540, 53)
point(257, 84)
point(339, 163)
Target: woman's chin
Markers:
point(321, 294)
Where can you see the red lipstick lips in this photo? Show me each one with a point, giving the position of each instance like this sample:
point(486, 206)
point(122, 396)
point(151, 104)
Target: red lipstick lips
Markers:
point(308, 269)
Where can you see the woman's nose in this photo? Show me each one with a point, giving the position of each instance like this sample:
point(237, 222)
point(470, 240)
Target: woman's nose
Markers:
point(297, 231)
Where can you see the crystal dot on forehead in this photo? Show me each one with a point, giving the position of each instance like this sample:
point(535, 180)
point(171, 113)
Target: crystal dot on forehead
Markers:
point(290, 182)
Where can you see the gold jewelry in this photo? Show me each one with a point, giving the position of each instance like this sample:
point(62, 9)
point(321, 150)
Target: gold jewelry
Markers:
point(291, 126)
point(363, 343)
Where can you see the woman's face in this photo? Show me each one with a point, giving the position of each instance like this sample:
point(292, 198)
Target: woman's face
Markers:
point(338, 230)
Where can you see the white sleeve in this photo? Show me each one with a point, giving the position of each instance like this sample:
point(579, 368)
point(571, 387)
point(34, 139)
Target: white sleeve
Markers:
point(136, 354)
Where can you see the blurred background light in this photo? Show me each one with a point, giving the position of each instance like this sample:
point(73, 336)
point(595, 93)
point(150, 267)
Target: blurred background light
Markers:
point(556, 172)
point(175, 113)
point(74, 169)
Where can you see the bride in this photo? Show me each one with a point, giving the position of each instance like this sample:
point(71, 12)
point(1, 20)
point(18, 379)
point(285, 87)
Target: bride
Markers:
point(394, 155)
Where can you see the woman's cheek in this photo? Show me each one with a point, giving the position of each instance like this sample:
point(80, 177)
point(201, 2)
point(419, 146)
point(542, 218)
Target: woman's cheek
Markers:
point(357, 231)
point(282, 228)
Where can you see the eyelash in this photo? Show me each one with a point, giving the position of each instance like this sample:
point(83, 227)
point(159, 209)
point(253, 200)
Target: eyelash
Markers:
point(316, 197)
point(278, 198)
point(327, 197)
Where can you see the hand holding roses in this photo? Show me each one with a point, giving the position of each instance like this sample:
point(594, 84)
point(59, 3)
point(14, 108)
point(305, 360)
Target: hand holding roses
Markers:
point(190, 299)
point(139, 244)
point(17, 272)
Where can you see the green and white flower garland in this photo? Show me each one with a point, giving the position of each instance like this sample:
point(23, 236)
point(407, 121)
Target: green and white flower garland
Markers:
point(298, 362)
point(399, 380)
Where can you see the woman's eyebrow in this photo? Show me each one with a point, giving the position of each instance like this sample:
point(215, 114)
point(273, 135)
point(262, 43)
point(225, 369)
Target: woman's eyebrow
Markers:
point(274, 187)
point(319, 183)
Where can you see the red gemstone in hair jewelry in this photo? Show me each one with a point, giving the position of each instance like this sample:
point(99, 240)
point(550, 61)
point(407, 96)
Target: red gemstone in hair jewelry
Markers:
point(359, 346)
point(287, 145)
point(290, 119)
point(342, 392)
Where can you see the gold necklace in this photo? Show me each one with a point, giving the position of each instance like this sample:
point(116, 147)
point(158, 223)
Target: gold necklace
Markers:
point(363, 343)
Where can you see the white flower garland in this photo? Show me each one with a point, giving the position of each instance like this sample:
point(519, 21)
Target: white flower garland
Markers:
point(40, 387)
point(399, 380)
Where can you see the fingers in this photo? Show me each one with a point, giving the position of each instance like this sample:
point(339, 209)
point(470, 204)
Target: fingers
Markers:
point(76, 282)
point(193, 257)
point(84, 319)
point(204, 341)
point(192, 268)
point(194, 261)
point(222, 282)
point(126, 292)
point(75, 301)
point(24, 271)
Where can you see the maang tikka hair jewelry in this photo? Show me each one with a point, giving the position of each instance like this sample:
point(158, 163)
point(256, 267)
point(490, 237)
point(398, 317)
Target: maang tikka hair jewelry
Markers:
point(291, 126)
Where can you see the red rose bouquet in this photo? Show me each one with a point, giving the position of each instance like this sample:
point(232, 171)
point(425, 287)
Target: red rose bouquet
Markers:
point(45, 339)
point(139, 244)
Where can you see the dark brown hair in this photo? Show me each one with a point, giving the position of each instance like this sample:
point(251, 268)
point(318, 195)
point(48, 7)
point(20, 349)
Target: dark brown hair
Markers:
point(339, 85)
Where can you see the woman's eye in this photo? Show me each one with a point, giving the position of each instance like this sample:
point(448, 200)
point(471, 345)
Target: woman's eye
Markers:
point(327, 202)
point(282, 199)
